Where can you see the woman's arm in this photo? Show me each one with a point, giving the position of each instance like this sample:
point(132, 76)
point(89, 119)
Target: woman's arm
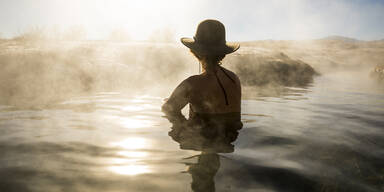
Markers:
point(176, 102)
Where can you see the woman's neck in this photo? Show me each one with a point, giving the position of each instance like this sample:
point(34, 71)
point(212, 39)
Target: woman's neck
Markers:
point(209, 68)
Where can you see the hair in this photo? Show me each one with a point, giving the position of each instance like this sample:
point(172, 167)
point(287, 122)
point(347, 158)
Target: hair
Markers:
point(209, 62)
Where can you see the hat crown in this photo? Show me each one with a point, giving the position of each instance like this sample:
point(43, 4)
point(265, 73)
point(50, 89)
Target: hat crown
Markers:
point(210, 32)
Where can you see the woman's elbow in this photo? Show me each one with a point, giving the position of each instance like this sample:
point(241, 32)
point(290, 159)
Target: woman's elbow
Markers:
point(166, 108)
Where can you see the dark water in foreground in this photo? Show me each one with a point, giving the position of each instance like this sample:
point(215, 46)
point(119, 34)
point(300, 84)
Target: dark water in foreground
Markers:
point(328, 137)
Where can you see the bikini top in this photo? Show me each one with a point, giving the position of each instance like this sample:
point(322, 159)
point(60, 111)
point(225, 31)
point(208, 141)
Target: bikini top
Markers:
point(221, 85)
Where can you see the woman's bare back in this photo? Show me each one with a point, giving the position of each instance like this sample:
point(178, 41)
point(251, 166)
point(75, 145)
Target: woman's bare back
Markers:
point(218, 92)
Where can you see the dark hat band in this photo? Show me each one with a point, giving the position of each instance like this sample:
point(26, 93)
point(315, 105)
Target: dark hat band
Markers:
point(221, 42)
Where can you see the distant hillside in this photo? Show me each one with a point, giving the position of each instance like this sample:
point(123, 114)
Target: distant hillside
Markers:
point(328, 38)
point(340, 38)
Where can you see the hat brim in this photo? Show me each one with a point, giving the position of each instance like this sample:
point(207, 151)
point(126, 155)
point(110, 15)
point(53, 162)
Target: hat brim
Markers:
point(226, 48)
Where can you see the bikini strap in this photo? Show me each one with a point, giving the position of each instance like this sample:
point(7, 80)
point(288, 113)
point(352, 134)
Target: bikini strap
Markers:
point(222, 69)
point(221, 85)
point(222, 88)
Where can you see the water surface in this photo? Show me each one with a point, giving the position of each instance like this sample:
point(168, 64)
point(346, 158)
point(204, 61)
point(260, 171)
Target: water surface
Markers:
point(325, 137)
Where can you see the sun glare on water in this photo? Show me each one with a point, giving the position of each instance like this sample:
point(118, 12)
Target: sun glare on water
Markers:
point(130, 169)
point(131, 161)
point(135, 123)
point(132, 143)
point(130, 165)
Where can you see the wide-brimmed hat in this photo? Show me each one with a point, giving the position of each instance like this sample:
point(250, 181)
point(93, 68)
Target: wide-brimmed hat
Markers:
point(210, 39)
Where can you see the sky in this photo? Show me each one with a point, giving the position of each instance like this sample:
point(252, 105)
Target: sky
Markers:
point(244, 19)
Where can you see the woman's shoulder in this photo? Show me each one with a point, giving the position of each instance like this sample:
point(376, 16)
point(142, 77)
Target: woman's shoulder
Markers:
point(192, 79)
point(231, 74)
point(189, 82)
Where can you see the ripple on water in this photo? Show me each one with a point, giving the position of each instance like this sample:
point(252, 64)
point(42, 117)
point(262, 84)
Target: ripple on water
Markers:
point(302, 140)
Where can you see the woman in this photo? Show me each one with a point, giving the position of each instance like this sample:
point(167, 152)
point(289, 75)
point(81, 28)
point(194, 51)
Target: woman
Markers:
point(214, 96)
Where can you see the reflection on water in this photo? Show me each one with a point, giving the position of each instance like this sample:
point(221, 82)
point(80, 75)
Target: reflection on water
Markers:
point(135, 122)
point(204, 171)
point(210, 137)
point(327, 137)
point(130, 169)
point(132, 143)
point(132, 163)
point(133, 153)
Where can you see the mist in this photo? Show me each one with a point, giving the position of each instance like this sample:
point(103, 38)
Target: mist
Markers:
point(82, 85)
point(41, 72)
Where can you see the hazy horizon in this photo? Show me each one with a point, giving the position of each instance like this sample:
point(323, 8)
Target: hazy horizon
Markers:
point(101, 96)
point(244, 20)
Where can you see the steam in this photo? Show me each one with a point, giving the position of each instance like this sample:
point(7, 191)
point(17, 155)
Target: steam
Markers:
point(44, 72)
